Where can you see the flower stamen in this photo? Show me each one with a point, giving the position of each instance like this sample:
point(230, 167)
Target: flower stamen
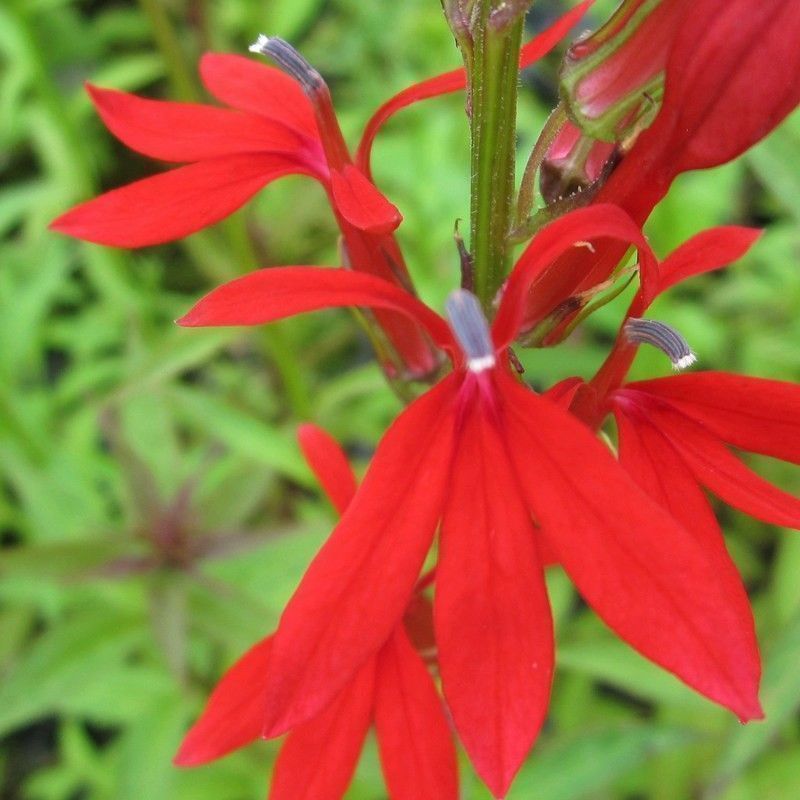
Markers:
point(662, 336)
point(290, 61)
point(471, 330)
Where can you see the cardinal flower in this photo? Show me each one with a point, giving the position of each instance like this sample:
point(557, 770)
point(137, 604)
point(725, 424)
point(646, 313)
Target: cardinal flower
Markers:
point(725, 88)
point(392, 689)
point(276, 124)
point(502, 472)
point(674, 432)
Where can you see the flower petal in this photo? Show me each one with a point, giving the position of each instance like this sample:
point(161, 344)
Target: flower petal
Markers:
point(279, 292)
point(644, 574)
point(712, 110)
point(754, 414)
point(358, 200)
point(234, 714)
point(456, 79)
point(174, 204)
point(492, 616)
point(416, 747)
point(189, 131)
point(356, 589)
point(329, 463)
point(709, 250)
point(249, 86)
point(721, 472)
point(575, 229)
point(318, 758)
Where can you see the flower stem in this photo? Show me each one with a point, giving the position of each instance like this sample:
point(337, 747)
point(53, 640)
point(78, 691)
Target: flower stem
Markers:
point(493, 102)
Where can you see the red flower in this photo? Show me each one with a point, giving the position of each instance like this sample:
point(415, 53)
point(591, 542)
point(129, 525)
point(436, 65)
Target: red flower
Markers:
point(393, 689)
point(673, 431)
point(725, 89)
point(275, 126)
point(502, 469)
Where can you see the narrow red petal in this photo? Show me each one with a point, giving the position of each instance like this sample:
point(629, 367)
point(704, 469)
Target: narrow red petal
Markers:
point(575, 229)
point(563, 392)
point(249, 86)
point(189, 131)
point(329, 463)
point(234, 714)
point(318, 758)
point(174, 204)
point(358, 586)
point(754, 414)
point(651, 459)
point(361, 204)
point(456, 80)
point(279, 292)
point(492, 616)
point(709, 250)
point(712, 111)
point(721, 472)
point(416, 747)
point(644, 574)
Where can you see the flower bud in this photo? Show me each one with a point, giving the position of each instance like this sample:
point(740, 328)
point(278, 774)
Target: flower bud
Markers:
point(612, 81)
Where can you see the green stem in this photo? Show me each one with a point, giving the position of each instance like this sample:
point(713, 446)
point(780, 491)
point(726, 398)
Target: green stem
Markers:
point(493, 97)
point(180, 76)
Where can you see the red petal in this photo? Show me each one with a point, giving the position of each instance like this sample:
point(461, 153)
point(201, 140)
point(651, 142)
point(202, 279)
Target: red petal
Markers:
point(249, 86)
point(358, 586)
point(644, 575)
point(174, 204)
point(652, 461)
point(188, 131)
point(329, 463)
point(492, 616)
point(713, 110)
point(755, 414)
point(279, 292)
point(563, 392)
point(416, 747)
point(721, 472)
point(456, 79)
point(318, 759)
point(574, 229)
point(360, 202)
point(234, 714)
point(709, 250)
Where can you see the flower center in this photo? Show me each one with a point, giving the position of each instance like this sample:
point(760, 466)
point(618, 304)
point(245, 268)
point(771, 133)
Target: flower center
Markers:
point(471, 330)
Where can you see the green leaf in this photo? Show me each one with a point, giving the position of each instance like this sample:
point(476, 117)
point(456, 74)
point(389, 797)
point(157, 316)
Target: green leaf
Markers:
point(586, 763)
point(61, 661)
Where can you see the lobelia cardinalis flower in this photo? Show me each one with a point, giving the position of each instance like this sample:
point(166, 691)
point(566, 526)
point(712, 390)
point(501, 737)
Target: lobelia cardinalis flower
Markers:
point(392, 689)
point(507, 473)
point(276, 125)
point(673, 431)
point(725, 88)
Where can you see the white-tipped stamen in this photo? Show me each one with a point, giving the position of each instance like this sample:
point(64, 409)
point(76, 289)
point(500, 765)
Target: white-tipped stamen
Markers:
point(289, 60)
point(662, 336)
point(471, 330)
point(260, 44)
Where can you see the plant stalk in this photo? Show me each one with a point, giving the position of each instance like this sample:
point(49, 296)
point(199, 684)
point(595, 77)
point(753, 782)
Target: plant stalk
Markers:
point(493, 105)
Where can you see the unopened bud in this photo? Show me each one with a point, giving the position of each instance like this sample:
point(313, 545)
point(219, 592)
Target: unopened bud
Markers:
point(662, 336)
point(613, 80)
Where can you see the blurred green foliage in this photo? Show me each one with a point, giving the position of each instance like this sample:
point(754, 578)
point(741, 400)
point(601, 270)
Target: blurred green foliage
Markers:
point(155, 513)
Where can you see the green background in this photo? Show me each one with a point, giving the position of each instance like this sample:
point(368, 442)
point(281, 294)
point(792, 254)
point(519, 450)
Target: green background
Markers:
point(155, 513)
